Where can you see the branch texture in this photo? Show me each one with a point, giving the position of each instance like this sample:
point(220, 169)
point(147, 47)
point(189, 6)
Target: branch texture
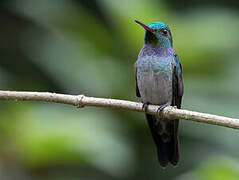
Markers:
point(81, 101)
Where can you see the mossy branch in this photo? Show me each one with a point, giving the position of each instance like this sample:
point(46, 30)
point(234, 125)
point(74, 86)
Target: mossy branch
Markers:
point(82, 101)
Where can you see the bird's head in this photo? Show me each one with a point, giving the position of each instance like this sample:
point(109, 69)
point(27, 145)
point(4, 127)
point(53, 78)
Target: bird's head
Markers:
point(157, 34)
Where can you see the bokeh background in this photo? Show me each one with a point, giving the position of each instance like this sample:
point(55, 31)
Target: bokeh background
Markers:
point(89, 47)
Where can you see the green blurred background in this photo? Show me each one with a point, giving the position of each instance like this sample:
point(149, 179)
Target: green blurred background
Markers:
point(89, 47)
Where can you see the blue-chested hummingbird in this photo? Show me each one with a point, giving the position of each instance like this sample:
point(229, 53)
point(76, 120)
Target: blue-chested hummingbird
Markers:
point(159, 82)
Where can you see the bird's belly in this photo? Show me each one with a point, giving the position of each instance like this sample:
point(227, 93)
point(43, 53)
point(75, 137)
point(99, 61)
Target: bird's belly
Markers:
point(155, 82)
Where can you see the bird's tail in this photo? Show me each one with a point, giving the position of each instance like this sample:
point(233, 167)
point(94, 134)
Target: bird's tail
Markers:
point(165, 135)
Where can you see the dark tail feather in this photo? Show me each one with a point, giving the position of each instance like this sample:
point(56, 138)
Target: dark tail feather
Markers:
point(167, 151)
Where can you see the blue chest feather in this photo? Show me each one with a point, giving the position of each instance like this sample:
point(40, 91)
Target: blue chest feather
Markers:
point(154, 75)
point(158, 65)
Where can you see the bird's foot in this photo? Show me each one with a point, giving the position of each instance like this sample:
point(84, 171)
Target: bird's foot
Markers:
point(145, 107)
point(160, 109)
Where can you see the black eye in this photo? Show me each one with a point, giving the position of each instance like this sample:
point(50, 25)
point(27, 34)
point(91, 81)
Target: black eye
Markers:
point(165, 32)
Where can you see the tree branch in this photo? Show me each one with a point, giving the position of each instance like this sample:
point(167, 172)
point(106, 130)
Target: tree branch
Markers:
point(81, 101)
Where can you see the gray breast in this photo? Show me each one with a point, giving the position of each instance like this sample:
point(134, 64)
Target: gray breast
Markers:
point(154, 78)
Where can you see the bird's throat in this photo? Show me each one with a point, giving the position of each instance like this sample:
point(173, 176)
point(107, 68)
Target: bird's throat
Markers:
point(150, 38)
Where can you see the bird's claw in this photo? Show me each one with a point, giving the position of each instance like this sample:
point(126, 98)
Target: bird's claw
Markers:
point(160, 109)
point(145, 107)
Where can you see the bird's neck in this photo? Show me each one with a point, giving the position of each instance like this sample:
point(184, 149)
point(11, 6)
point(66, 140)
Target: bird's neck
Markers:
point(157, 44)
point(151, 50)
point(159, 41)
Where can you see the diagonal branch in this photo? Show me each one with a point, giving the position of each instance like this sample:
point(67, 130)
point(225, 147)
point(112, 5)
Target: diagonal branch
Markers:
point(81, 101)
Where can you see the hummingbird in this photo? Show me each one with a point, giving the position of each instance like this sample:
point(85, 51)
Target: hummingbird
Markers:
point(159, 82)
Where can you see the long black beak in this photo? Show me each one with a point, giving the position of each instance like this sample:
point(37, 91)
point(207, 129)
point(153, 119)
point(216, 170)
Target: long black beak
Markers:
point(144, 26)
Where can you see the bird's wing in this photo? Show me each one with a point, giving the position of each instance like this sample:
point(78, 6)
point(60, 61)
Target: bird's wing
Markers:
point(177, 83)
point(137, 89)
